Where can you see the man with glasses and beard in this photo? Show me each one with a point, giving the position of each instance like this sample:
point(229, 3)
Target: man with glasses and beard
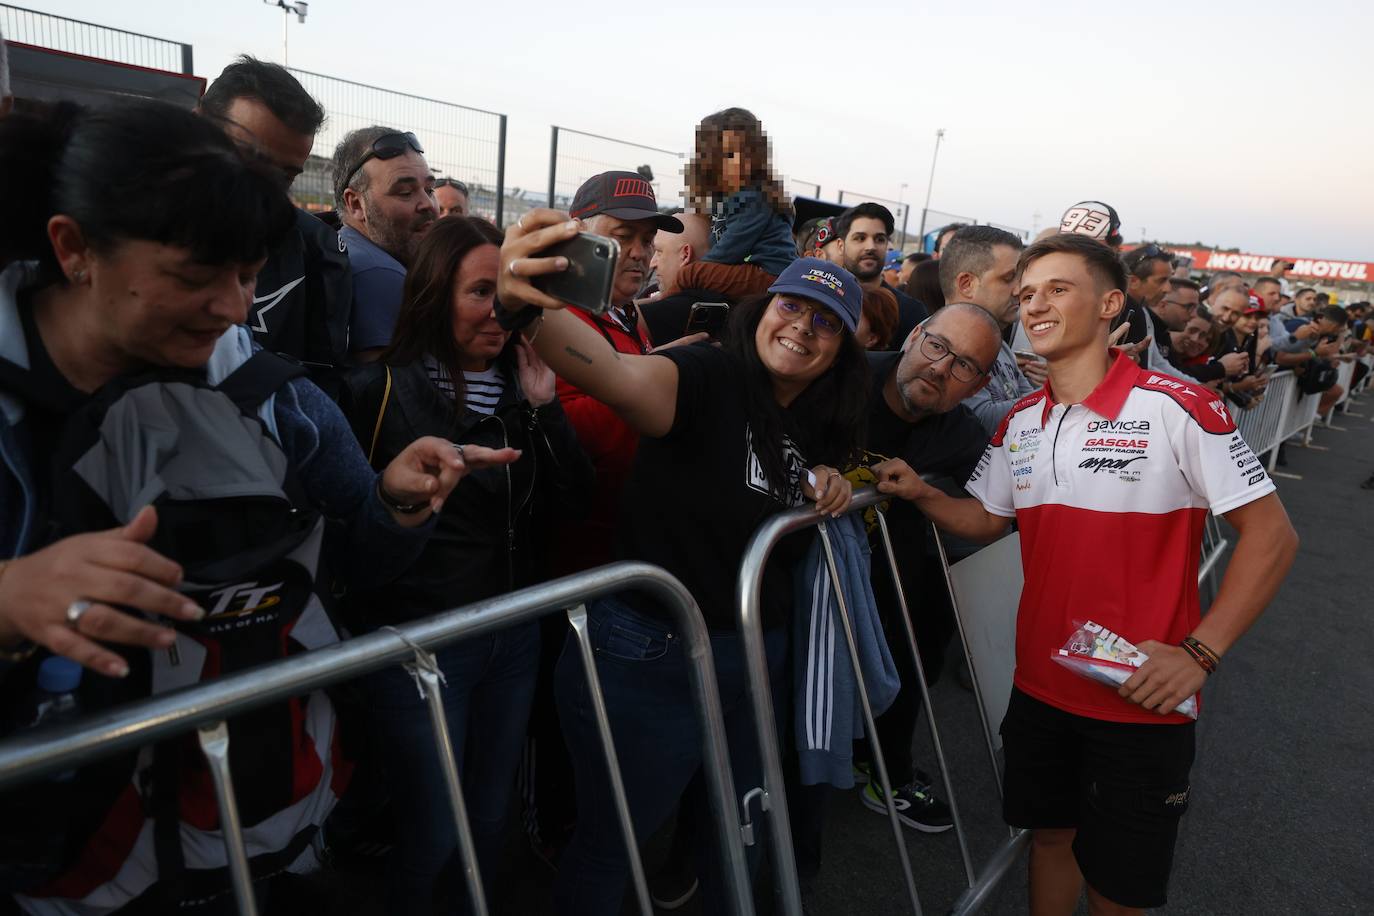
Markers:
point(915, 414)
point(865, 232)
point(384, 192)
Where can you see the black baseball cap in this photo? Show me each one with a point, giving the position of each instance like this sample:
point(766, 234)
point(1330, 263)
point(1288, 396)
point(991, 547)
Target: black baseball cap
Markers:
point(624, 195)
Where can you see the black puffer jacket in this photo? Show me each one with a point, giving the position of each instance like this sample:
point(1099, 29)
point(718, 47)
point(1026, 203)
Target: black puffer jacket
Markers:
point(491, 531)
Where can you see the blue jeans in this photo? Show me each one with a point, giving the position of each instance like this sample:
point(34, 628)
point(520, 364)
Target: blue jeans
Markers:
point(490, 685)
point(643, 670)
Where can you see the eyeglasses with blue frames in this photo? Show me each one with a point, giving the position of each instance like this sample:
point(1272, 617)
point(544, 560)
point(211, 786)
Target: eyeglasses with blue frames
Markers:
point(824, 323)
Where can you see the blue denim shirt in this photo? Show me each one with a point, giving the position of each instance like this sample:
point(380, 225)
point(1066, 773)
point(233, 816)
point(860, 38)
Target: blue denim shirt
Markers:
point(745, 229)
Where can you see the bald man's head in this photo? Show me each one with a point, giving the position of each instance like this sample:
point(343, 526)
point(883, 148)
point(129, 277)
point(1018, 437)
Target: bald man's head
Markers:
point(1228, 304)
point(675, 250)
point(926, 384)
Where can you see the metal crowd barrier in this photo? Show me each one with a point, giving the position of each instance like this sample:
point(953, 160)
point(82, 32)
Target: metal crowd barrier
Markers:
point(773, 798)
point(1344, 373)
point(205, 708)
point(993, 664)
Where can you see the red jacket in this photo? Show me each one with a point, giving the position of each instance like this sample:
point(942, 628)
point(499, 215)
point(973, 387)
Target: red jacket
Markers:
point(610, 443)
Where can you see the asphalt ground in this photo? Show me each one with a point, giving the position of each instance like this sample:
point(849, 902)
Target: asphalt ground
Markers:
point(1283, 785)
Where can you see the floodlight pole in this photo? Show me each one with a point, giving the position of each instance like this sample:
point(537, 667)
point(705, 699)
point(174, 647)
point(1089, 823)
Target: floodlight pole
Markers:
point(906, 211)
point(939, 135)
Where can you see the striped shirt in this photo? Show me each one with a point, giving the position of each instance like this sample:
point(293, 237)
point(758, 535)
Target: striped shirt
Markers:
point(482, 390)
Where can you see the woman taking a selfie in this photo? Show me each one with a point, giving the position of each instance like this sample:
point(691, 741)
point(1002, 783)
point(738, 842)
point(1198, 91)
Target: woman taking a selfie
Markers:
point(728, 435)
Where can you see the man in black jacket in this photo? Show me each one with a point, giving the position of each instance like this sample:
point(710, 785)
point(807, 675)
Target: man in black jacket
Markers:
point(304, 294)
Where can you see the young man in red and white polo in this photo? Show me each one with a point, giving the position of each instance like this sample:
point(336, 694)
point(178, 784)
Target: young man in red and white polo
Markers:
point(1109, 471)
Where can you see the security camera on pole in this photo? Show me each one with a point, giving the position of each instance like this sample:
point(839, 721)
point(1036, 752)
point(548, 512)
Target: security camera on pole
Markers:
point(300, 8)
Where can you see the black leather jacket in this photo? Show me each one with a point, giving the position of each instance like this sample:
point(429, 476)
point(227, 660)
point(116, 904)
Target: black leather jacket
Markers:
point(491, 534)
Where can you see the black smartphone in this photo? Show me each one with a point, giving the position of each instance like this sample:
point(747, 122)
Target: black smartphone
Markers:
point(590, 276)
point(707, 316)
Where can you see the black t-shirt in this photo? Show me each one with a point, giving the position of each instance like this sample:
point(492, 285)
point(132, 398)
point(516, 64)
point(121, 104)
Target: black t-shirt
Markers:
point(949, 444)
point(910, 312)
point(696, 496)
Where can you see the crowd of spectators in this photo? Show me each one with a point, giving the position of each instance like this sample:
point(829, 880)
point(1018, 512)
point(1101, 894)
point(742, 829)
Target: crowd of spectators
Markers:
point(446, 445)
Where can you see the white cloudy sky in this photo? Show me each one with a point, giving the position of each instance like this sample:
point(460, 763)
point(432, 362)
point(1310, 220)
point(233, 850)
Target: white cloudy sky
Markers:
point(1236, 123)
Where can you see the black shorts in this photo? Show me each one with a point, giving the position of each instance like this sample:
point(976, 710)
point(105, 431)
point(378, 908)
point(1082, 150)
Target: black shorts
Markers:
point(1122, 785)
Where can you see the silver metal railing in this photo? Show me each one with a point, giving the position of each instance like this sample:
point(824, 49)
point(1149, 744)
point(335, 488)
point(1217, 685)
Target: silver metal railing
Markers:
point(206, 707)
point(772, 795)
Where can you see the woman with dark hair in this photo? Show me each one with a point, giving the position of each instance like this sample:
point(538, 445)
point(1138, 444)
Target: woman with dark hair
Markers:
point(163, 496)
point(452, 372)
point(728, 435)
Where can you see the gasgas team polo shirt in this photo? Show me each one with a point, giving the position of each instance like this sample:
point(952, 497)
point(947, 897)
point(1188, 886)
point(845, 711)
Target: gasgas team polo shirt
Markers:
point(1110, 496)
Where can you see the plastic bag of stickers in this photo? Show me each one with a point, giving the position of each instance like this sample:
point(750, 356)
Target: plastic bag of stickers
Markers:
point(1098, 654)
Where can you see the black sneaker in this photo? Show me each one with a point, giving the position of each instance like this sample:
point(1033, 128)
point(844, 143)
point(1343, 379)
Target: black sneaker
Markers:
point(916, 805)
point(1368, 484)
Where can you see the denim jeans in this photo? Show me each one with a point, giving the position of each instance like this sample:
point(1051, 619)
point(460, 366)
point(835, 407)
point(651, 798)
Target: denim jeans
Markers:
point(643, 669)
point(490, 685)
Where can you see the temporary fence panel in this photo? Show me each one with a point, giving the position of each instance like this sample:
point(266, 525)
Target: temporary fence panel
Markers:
point(1260, 426)
point(1345, 371)
point(206, 707)
point(87, 38)
point(575, 156)
point(797, 187)
point(1022, 234)
point(986, 587)
point(467, 144)
point(772, 794)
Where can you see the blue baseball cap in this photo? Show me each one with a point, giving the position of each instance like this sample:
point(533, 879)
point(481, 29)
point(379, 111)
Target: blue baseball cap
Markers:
point(894, 260)
point(828, 284)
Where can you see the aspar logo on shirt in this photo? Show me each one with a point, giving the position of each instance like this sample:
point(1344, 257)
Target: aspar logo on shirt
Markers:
point(1111, 465)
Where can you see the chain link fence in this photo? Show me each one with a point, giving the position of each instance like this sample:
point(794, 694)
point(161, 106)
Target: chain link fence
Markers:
point(575, 156)
point(464, 143)
point(74, 36)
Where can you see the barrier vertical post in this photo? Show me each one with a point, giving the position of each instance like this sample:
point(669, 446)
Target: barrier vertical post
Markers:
point(879, 762)
point(929, 709)
point(501, 173)
point(553, 165)
point(214, 744)
point(577, 616)
point(426, 673)
point(1281, 434)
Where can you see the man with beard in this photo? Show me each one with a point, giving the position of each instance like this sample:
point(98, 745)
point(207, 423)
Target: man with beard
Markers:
point(915, 414)
point(1148, 271)
point(384, 192)
point(864, 232)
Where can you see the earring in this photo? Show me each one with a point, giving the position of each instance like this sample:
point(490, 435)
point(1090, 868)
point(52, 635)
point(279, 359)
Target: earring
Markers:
point(78, 276)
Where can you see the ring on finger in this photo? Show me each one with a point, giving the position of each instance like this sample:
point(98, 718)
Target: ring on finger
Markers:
point(76, 610)
point(461, 456)
point(510, 268)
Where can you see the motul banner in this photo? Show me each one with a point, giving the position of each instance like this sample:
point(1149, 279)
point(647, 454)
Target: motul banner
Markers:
point(1205, 259)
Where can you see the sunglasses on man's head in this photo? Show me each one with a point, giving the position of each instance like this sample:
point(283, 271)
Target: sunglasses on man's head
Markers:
point(452, 183)
point(1140, 255)
point(387, 146)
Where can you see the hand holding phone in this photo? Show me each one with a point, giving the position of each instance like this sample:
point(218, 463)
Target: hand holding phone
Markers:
point(590, 277)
